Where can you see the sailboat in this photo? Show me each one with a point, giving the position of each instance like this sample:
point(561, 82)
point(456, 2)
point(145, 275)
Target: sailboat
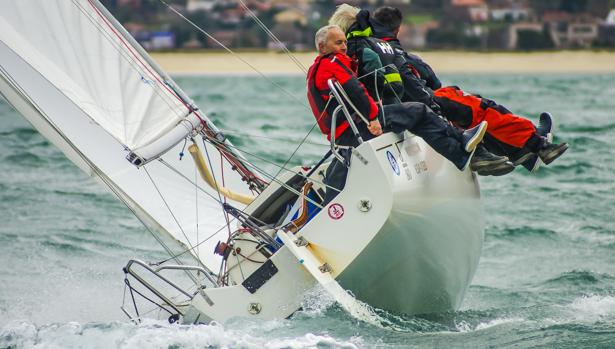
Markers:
point(404, 235)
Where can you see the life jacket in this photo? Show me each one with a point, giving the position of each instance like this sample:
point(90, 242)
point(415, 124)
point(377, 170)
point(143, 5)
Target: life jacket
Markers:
point(391, 88)
point(418, 66)
point(415, 87)
point(318, 93)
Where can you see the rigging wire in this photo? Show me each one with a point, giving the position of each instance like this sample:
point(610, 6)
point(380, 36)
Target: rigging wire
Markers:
point(282, 168)
point(226, 48)
point(273, 37)
point(213, 174)
point(281, 139)
point(167, 206)
point(95, 169)
point(284, 185)
point(136, 62)
point(196, 201)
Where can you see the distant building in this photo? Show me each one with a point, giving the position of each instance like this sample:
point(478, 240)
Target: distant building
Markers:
point(155, 40)
point(415, 36)
point(516, 29)
point(571, 31)
point(200, 5)
point(606, 31)
point(467, 10)
point(509, 10)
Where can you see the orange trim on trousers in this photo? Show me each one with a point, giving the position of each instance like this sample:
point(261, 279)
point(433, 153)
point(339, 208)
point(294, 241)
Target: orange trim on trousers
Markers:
point(502, 124)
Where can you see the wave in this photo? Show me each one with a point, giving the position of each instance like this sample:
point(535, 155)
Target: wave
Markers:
point(22, 133)
point(578, 277)
point(25, 159)
point(594, 306)
point(587, 128)
point(525, 231)
point(156, 334)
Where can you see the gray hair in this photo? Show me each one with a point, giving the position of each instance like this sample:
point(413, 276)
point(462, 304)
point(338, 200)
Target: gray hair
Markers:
point(321, 35)
point(344, 16)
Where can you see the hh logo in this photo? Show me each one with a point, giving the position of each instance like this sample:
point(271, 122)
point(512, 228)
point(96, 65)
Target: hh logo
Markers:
point(385, 47)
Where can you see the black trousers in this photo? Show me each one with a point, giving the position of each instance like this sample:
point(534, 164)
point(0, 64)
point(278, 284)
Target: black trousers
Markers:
point(416, 118)
point(420, 120)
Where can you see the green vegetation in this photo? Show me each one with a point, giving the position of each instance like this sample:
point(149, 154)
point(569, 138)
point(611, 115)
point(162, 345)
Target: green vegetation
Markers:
point(418, 19)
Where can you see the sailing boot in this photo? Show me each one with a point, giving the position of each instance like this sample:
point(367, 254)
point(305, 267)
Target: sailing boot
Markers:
point(470, 139)
point(488, 164)
point(498, 170)
point(544, 129)
point(551, 151)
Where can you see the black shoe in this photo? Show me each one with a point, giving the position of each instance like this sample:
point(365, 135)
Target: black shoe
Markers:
point(532, 163)
point(473, 136)
point(545, 126)
point(483, 159)
point(525, 156)
point(552, 151)
point(498, 170)
point(544, 129)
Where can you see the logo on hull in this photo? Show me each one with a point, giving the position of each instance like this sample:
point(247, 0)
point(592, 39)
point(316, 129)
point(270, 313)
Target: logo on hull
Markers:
point(393, 163)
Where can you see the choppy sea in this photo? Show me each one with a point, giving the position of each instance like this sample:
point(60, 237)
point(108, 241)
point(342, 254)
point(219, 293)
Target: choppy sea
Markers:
point(546, 278)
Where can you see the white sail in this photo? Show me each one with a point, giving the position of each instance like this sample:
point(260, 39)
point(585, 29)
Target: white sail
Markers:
point(78, 51)
point(79, 79)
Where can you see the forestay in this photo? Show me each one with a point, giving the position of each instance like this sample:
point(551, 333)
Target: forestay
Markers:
point(76, 76)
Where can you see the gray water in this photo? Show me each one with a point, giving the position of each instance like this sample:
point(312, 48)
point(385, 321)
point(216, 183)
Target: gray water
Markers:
point(546, 277)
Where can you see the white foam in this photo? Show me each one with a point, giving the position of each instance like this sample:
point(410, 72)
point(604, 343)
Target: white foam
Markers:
point(465, 327)
point(158, 334)
point(593, 307)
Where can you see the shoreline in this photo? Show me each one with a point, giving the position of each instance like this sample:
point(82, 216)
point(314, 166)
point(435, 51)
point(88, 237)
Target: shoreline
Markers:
point(276, 63)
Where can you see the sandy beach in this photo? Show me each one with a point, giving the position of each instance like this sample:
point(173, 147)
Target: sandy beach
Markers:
point(441, 61)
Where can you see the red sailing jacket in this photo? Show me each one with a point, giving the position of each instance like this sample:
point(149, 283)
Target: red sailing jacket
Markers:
point(337, 66)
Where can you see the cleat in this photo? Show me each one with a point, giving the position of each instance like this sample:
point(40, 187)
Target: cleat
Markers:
point(472, 137)
point(551, 152)
point(484, 159)
point(498, 170)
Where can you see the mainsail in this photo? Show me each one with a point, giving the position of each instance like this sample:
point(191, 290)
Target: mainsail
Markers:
point(86, 85)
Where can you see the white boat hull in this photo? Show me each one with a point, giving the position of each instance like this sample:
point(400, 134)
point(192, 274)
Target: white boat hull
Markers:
point(414, 251)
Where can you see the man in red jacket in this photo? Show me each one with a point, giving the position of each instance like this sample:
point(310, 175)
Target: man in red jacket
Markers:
point(333, 63)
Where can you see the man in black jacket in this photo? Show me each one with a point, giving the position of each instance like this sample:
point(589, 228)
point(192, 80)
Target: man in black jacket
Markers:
point(389, 80)
point(507, 134)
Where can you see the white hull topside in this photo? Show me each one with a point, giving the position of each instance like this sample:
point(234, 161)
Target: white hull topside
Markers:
point(414, 251)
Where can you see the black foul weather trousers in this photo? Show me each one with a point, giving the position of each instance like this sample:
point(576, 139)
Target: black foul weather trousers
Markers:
point(420, 120)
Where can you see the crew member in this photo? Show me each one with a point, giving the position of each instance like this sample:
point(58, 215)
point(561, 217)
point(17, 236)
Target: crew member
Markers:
point(508, 134)
point(333, 63)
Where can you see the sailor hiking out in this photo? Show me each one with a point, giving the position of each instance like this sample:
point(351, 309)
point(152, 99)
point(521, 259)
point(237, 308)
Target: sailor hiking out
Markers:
point(333, 63)
point(508, 134)
point(379, 66)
